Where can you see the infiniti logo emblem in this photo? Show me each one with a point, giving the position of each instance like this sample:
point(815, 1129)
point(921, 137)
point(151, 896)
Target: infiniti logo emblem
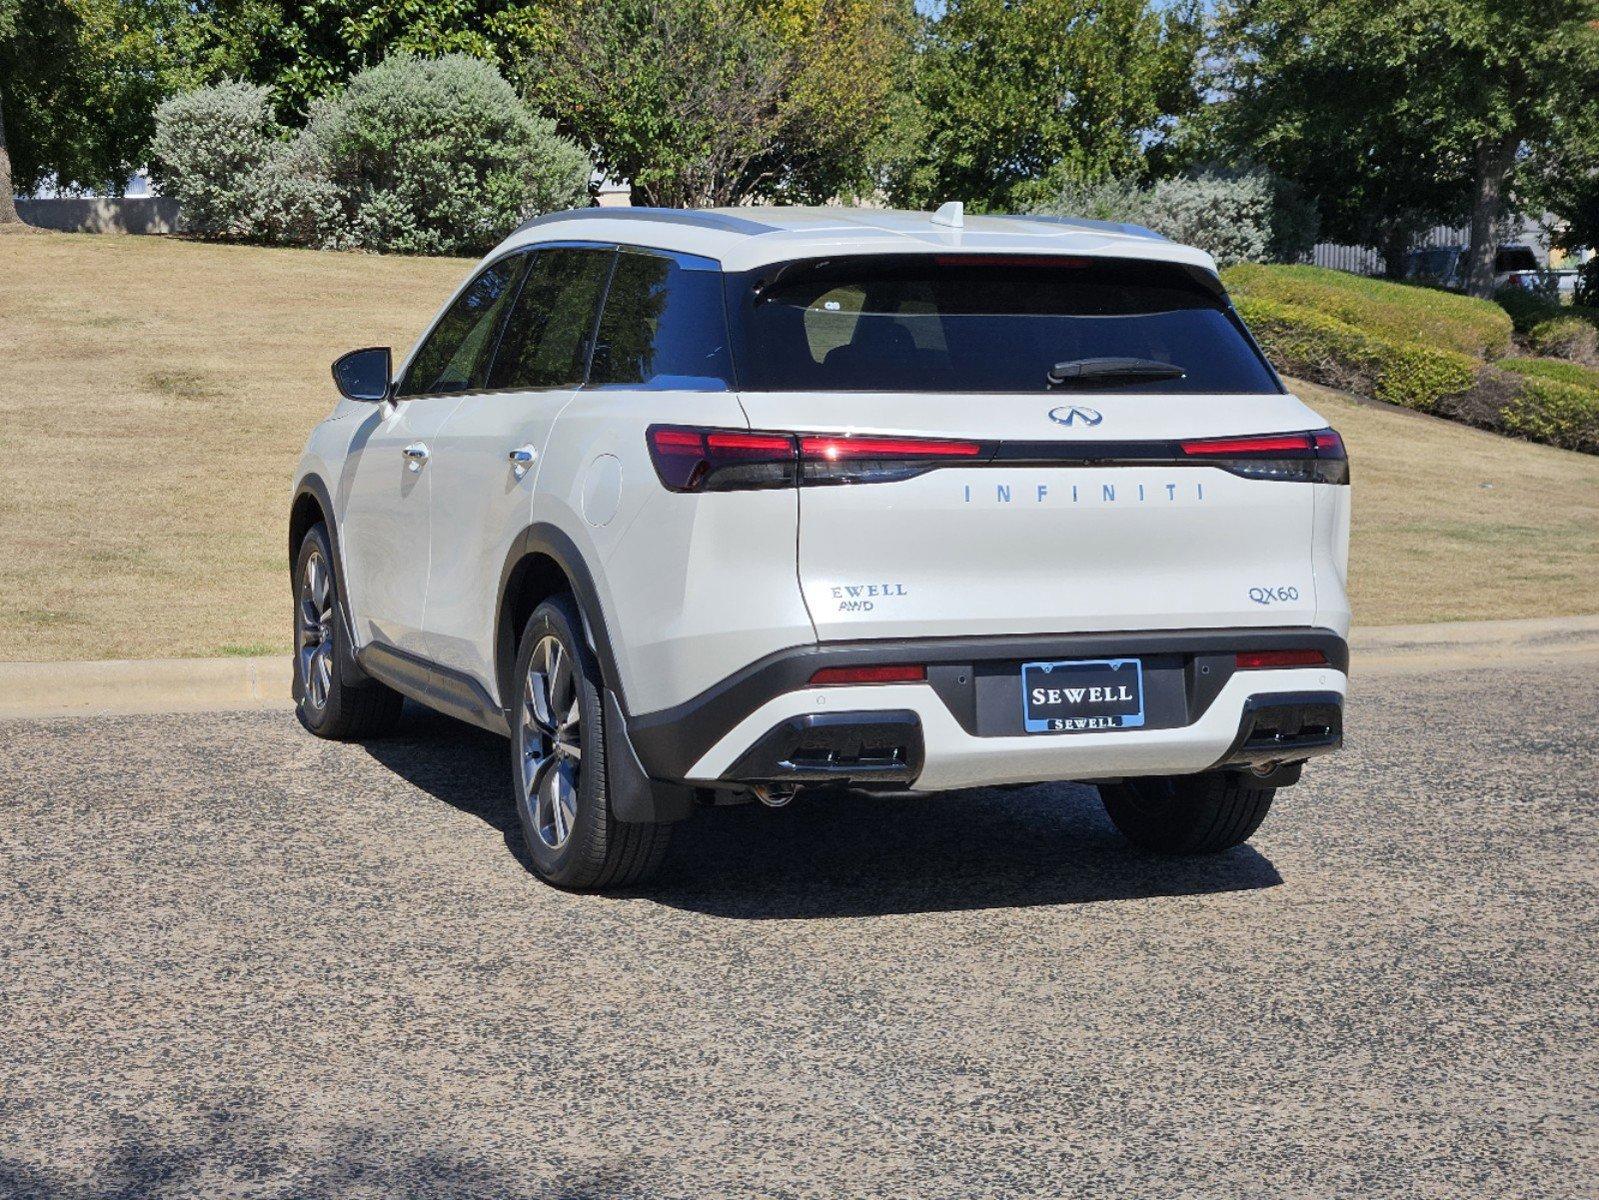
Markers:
point(1074, 414)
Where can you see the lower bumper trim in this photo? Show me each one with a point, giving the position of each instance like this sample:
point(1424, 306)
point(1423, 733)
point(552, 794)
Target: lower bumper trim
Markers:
point(1286, 727)
point(876, 747)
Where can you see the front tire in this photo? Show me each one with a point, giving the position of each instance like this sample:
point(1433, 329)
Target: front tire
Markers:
point(558, 763)
point(1187, 814)
point(325, 704)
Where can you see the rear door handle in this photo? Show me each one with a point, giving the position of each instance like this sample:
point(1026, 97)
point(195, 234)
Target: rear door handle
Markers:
point(416, 454)
point(521, 459)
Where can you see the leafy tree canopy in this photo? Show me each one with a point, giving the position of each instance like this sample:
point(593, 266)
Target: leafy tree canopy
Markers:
point(79, 81)
point(1398, 114)
point(1019, 98)
point(714, 101)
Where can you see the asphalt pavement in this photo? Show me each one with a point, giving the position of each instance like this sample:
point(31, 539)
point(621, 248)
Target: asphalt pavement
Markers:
point(235, 961)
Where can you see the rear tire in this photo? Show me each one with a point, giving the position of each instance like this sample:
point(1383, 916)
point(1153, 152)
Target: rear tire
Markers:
point(558, 763)
point(1187, 814)
point(325, 704)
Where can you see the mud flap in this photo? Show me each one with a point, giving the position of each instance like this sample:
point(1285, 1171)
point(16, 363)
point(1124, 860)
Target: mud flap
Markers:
point(635, 797)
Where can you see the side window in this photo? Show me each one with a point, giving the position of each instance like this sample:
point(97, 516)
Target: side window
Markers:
point(546, 338)
point(455, 357)
point(663, 325)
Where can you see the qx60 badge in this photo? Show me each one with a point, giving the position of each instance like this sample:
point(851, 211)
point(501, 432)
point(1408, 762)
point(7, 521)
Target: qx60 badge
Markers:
point(1075, 415)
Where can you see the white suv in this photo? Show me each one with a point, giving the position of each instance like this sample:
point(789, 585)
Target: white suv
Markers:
point(701, 507)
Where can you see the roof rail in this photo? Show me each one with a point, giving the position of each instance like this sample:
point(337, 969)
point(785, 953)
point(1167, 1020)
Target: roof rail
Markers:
point(1121, 227)
point(699, 218)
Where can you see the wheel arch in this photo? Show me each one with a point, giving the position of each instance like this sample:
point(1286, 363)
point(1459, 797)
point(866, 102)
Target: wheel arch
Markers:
point(312, 506)
point(541, 563)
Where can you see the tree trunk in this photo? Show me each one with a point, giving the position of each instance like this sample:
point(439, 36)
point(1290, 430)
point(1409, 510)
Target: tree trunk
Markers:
point(8, 198)
point(1396, 241)
point(1494, 160)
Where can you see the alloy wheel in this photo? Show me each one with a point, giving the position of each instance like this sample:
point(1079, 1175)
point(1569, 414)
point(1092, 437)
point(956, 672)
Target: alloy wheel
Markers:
point(315, 620)
point(551, 749)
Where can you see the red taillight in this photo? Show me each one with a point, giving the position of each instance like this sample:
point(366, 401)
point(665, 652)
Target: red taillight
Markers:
point(1316, 457)
point(706, 460)
point(1329, 444)
point(1283, 443)
point(834, 449)
point(1261, 660)
point(709, 460)
point(833, 676)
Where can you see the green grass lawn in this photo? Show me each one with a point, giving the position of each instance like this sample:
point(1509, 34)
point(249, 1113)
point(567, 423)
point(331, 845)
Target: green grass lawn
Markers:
point(157, 392)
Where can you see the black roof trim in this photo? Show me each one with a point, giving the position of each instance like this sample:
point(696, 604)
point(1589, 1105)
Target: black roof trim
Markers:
point(697, 218)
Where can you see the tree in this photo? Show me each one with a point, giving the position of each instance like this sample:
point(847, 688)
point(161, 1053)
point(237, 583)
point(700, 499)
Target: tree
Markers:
point(79, 80)
point(704, 102)
point(303, 51)
point(1019, 98)
point(8, 196)
point(1398, 114)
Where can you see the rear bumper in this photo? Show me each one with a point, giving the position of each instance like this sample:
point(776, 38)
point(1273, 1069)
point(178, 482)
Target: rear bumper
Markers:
point(962, 728)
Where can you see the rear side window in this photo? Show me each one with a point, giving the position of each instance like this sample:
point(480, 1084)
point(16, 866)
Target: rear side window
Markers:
point(664, 325)
point(546, 339)
point(455, 356)
point(972, 323)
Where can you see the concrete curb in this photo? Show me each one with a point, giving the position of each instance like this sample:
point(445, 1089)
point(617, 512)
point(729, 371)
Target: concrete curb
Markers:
point(153, 685)
point(157, 685)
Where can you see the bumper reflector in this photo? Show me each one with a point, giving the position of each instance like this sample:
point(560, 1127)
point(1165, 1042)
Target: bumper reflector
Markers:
point(836, 676)
point(1261, 660)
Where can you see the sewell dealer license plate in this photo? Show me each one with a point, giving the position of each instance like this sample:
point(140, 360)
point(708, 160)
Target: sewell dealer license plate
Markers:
point(1076, 697)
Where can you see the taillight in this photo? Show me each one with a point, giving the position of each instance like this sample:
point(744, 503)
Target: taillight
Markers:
point(834, 676)
point(833, 458)
point(712, 460)
point(721, 460)
point(1265, 660)
point(1316, 457)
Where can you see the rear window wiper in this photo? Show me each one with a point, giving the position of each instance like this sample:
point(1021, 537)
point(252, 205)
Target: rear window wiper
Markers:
point(1111, 370)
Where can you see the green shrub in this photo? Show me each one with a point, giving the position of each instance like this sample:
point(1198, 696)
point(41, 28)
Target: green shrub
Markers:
point(207, 153)
point(1230, 219)
point(1395, 312)
point(440, 156)
point(1546, 400)
point(1571, 338)
point(1525, 308)
point(1549, 368)
point(1562, 414)
point(1319, 347)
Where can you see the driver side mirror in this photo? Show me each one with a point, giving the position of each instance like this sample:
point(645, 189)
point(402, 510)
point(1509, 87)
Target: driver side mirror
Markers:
point(364, 374)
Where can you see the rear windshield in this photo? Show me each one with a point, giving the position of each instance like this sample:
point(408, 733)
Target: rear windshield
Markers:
point(965, 323)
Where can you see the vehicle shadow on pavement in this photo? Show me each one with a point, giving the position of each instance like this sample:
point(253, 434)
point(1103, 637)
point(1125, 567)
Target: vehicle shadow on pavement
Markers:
point(238, 1147)
point(853, 854)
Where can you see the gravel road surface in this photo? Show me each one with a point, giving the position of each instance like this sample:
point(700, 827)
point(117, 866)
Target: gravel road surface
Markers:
point(235, 961)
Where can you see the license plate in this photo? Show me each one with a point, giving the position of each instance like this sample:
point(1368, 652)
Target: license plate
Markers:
point(1079, 697)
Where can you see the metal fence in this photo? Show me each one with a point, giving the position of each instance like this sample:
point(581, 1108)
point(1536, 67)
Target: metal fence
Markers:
point(1363, 260)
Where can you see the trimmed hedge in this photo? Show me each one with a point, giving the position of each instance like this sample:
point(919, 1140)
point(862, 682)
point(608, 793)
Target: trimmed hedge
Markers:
point(1554, 369)
point(1399, 313)
point(1558, 402)
point(1422, 349)
point(1528, 310)
point(1324, 349)
point(1570, 338)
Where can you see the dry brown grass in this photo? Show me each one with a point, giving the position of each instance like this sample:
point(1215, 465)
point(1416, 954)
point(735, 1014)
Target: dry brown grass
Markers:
point(154, 396)
point(1456, 524)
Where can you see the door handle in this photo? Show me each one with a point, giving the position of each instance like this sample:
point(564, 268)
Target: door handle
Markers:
point(521, 459)
point(415, 455)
